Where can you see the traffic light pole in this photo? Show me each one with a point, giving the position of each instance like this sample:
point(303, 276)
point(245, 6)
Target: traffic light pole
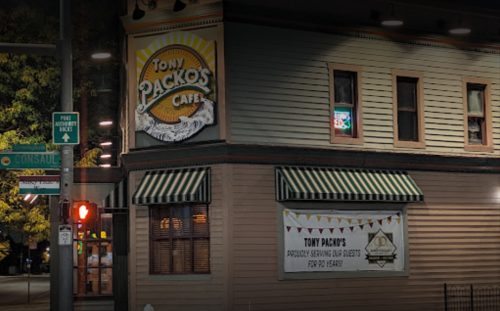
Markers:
point(66, 251)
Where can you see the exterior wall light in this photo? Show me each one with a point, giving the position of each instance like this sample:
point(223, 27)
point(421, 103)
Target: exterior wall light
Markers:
point(179, 6)
point(105, 165)
point(138, 13)
point(455, 29)
point(105, 156)
point(391, 21)
point(106, 123)
point(106, 143)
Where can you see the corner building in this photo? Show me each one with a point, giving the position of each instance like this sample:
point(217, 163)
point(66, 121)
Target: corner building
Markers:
point(288, 155)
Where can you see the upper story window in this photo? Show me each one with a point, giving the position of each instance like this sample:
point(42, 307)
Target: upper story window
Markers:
point(345, 104)
point(477, 114)
point(408, 107)
point(179, 239)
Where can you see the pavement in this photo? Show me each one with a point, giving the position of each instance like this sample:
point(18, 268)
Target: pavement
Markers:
point(40, 302)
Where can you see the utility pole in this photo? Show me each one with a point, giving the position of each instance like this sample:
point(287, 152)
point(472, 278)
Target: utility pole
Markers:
point(66, 251)
point(63, 49)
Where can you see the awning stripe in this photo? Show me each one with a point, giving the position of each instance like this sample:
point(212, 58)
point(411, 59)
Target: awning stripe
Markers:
point(174, 186)
point(301, 183)
point(117, 198)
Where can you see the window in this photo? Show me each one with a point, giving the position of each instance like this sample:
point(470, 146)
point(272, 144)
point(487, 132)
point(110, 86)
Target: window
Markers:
point(408, 106)
point(477, 114)
point(345, 104)
point(180, 240)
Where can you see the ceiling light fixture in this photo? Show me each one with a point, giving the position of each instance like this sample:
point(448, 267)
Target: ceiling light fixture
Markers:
point(456, 28)
point(391, 21)
point(138, 13)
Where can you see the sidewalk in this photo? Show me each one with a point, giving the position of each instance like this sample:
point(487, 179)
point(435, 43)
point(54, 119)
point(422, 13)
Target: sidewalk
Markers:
point(40, 303)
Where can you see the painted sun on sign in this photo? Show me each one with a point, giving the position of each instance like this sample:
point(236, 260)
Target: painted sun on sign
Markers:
point(176, 86)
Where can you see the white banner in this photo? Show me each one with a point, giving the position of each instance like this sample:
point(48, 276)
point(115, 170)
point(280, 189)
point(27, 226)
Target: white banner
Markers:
point(335, 240)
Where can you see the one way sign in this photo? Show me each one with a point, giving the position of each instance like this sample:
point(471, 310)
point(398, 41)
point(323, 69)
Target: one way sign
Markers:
point(65, 128)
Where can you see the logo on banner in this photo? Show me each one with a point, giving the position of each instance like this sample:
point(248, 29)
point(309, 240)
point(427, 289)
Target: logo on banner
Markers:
point(380, 248)
point(176, 86)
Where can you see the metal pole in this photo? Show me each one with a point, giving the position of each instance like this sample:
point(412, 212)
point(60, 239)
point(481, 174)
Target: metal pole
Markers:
point(66, 251)
point(29, 270)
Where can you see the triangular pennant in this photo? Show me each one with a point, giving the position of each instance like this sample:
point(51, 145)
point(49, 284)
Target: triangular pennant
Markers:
point(320, 230)
point(352, 229)
point(299, 229)
point(318, 217)
point(310, 230)
point(361, 226)
point(398, 219)
point(398, 214)
point(369, 220)
point(288, 228)
point(339, 219)
point(389, 220)
point(331, 230)
point(329, 219)
point(359, 221)
point(287, 212)
point(371, 224)
point(342, 230)
point(349, 220)
point(297, 215)
point(308, 216)
point(380, 221)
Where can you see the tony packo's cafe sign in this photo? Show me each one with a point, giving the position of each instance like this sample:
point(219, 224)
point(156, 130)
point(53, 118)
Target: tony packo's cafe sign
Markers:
point(176, 86)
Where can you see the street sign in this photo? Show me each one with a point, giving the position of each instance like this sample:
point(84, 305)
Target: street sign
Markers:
point(29, 148)
point(32, 160)
point(65, 235)
point(65, 128)
point(39, 184)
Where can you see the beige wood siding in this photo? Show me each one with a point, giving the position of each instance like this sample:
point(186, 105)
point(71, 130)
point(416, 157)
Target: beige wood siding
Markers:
point(454, 237)
point(277, 88)
point(183, 295)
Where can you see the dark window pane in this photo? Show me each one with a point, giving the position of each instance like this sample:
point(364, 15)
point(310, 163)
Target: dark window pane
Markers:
point(343, 86)
point(182, 256)
point(343, 121)
point(107, 281)
point(475, 127)
point(200, 220)
point(407, 125)
point(475, 102)
point(161, 257)
point(201, 255)
point(161, 222)
point(407, 93)
point(181, 222)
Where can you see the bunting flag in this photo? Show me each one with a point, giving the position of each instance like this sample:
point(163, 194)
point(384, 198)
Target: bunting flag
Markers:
point(360, 224)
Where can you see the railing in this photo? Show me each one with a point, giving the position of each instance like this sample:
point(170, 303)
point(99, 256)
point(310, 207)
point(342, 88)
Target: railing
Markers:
point(471, 298)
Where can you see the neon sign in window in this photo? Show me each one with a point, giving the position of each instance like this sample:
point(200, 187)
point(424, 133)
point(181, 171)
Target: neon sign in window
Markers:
point(342, 121)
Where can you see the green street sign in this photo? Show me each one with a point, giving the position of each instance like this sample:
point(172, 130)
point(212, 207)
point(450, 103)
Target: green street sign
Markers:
point(29, 148)
point(65, 128)
point(32, 160)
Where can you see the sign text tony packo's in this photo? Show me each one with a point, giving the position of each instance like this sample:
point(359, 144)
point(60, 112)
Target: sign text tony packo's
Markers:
point(193, 78)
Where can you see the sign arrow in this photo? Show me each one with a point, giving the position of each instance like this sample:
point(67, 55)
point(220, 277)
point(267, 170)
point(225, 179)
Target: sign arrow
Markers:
point(65, 137)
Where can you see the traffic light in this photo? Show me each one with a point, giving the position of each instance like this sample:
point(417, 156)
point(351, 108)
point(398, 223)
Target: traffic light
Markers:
point(84, 211)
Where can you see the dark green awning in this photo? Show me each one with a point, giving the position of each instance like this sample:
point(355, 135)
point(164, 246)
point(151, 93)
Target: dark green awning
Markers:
point(339, 184)
point(174, 186)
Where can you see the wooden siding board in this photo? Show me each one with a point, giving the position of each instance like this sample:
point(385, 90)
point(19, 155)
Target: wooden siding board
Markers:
point(285, 81)
point(462, 237)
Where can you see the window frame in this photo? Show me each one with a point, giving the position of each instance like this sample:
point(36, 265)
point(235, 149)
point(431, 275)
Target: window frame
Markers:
point(357, 103)
point(420, 144)
point(488, 132)
point(171, 238)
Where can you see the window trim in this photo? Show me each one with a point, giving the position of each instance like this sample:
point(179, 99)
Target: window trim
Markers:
point(184, 275)
point(420, 144)
point(488, 147)
point(282, 275)
point(357, 102)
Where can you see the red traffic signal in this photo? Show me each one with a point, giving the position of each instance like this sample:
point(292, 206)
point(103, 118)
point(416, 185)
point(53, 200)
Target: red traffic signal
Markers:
point(84, 211)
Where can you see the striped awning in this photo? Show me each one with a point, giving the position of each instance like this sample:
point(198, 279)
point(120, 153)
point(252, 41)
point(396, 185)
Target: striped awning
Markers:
point(117, 198)
point(338, 184)
point(174, 186)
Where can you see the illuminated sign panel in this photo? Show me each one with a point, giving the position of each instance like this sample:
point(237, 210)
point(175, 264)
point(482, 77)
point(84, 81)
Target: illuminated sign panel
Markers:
point(176, 86)
point(342, 121)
